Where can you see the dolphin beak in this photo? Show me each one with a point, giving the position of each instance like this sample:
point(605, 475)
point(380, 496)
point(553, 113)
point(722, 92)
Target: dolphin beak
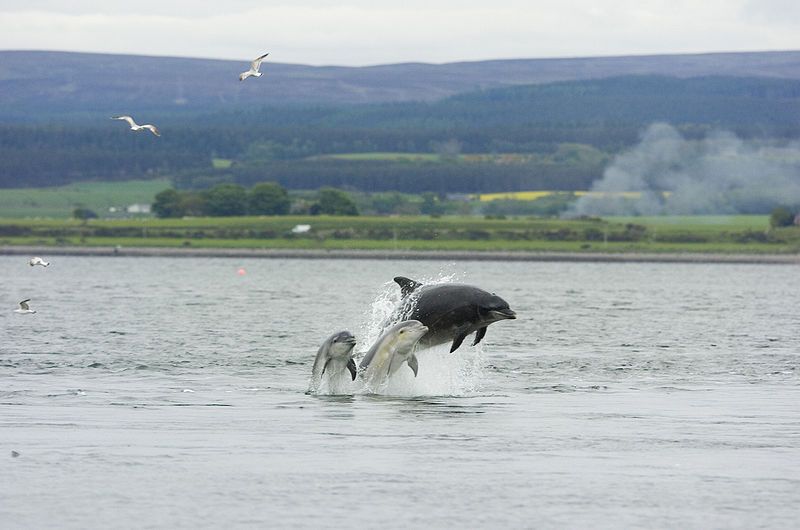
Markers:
point(501, 314)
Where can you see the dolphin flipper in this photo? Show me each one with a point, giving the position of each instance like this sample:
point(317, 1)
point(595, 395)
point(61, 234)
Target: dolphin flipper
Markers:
point(351, 365)
point(407, 285)
point(460, 336)
point(413, 363)
point(479, 335)
point(326, 366)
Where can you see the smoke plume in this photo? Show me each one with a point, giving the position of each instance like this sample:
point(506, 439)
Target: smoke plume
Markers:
point(719, 174)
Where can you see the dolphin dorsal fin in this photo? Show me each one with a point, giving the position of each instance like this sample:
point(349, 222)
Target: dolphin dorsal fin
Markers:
point(407, 285)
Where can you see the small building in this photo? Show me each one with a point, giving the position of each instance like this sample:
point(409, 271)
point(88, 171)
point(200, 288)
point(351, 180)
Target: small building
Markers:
point(301, 229)
point(138, 208)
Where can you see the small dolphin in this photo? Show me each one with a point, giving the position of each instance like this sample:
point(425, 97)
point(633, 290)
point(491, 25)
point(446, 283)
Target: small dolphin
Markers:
point(451, 311)
point(335, 353)
point(391, 350)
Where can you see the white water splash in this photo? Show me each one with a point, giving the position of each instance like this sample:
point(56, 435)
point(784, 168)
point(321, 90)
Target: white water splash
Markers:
point(335, 384)
point(378, 316)
point(441, 373)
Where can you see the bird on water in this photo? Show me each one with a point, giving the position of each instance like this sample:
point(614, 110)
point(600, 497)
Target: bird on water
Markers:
point(36, 260)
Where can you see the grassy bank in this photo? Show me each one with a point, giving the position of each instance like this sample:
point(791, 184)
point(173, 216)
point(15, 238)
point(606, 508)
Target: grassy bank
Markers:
point(741, 234)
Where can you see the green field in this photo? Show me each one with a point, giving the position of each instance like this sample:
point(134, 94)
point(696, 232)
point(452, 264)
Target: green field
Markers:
point(504, 158)
point(698, 222)
point(221, 163)
point(740, 234)
point(390, 157)
point(61, 201)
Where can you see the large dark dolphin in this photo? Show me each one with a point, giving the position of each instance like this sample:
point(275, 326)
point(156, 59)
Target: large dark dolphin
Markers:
point(451, 311)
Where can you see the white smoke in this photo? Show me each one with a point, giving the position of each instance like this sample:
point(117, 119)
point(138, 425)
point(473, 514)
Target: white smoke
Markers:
point(719, 174)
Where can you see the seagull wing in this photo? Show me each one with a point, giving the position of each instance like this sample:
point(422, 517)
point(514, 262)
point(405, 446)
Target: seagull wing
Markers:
point(257, 62)
point(126, 118)
point(24, 304)
point(152, 129)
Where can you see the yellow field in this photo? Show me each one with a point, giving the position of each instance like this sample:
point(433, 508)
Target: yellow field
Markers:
point(533, 195)
point(514, 195)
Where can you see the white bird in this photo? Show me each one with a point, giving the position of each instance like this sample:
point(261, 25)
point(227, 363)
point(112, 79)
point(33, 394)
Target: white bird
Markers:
point(253, 71)
point(24, 308)
point(137, 127)
point(36, 260)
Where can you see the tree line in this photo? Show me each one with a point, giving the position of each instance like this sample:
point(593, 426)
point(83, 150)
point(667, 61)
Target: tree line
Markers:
point(264, 198)
point(33, 156)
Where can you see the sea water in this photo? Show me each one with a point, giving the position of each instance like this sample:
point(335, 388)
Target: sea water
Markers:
point(155, 392)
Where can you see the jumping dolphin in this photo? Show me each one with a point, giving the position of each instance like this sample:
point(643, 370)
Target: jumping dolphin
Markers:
point(391, 350)
point(335, 354)
point(451, 311)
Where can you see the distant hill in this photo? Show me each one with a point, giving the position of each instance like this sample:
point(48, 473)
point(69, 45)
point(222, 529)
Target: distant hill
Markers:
point(750, 104)
point(284, 144)
point(36, 86)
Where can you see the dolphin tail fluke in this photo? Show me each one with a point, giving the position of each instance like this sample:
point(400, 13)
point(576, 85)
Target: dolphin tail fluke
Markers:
point(413, 363)
point(351, 365)
point(479, 335)
point(407, 285)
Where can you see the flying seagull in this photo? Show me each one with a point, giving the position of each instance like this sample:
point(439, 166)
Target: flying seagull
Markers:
point(24, 308)
point(253, 71)
point(36, 260)
point(137, 127)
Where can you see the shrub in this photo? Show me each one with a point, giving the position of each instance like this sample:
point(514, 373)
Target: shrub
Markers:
point(781, 216)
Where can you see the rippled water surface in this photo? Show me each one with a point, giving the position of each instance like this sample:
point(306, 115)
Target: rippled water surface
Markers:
point(151, 392)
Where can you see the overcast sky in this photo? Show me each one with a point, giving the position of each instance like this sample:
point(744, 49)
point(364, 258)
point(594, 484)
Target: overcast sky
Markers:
point(362, 32)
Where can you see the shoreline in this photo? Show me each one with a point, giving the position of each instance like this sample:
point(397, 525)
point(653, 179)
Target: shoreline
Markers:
point(441, 255)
